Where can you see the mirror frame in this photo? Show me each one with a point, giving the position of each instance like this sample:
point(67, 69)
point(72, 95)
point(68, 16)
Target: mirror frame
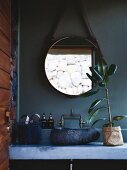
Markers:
point(95, 51)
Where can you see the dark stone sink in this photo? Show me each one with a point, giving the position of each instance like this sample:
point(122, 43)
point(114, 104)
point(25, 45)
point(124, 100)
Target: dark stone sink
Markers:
point(66, 136)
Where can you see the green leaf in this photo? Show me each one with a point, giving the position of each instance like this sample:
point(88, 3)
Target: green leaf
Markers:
point(94, 104)
point(112, 69)
point(89, 93)
point(95, 74)
point(93, 114)
point(98, 121)
point(102, 66)
point(105, 69)
point(96, 68)
point(117, 118)
point(105, 80)
point(91, 78)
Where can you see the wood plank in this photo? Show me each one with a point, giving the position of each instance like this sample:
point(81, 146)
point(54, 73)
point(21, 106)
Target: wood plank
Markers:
point(4, 25)
point(3, 145)
point(5, 44)
point(4, 79)
point(5, 53)
point(4, 97)
point(4, 61)
point(4, 165)
point(2, 116)
point(3, 148)
point(3, 131)
point(4, 141)
point(4, 134)
point(4, 119)
point(5, 9)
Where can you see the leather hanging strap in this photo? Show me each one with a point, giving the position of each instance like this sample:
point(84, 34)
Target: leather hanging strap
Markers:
point(49, 40)
point(59, 15)
point(81, 11)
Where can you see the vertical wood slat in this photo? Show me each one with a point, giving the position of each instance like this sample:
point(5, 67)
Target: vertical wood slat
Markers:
point(4, 165)
point(3, 147)
point(5, 9)
point(4, 79)
point(4, 61)
point(4, 25)
point(4, 44)
point(5, 54)
point(4, 98)
point(4, 141)
point(2, 115)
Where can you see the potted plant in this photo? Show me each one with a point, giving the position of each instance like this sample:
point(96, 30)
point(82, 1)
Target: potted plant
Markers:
point(101, 73)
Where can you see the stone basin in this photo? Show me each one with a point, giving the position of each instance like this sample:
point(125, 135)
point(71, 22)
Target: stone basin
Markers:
point(67, 136)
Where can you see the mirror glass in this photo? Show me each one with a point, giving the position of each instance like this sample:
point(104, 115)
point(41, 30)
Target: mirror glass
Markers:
point(66, 64)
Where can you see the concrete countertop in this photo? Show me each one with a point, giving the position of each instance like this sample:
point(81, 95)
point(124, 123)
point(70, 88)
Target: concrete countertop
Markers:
point(94, 150)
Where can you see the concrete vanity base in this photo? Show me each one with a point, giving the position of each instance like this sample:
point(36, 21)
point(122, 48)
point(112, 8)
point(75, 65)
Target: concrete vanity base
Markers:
point(94, 150)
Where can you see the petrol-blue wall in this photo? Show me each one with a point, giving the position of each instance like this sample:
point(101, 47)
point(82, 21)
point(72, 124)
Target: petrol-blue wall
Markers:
point(108, 20)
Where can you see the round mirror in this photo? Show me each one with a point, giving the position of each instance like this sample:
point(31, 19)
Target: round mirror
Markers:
point(66, 64)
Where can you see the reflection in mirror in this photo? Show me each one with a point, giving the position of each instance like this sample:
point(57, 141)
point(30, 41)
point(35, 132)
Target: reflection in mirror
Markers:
point(66, 65)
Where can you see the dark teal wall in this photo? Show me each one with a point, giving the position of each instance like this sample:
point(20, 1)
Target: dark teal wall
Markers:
point(108, 20)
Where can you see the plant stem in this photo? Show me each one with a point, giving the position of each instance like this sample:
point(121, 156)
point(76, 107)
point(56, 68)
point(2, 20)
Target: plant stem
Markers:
point(108, 104)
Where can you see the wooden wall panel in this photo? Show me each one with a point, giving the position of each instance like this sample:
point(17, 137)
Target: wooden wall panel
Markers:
point(4, 165)
point(5, 9)
point(5, 54)
point(4, 156)
point(4, 62)
point(3, 133)
point(2, 115)
point(3, 147)
point(4, 141)
point(4, 25)
point(4, 44)
point(4, 79)
point(4, 97)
